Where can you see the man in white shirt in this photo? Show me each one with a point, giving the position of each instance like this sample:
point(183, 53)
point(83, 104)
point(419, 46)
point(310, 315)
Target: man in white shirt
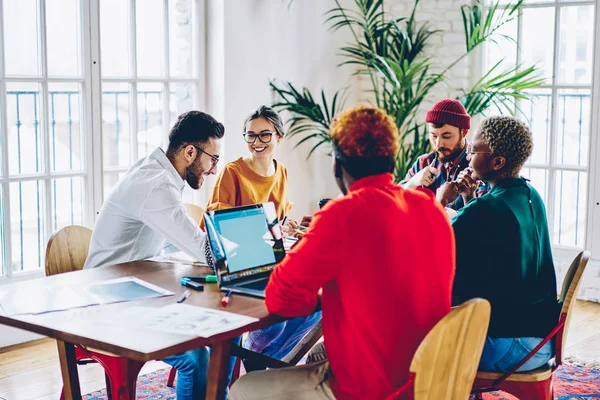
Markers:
point(145, 210)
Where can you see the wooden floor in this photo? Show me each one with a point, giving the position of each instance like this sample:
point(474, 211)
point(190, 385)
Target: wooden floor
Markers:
point(31, 371)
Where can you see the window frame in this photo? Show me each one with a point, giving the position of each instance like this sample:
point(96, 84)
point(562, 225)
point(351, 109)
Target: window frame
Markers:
point(552, 167)
point(90, 109)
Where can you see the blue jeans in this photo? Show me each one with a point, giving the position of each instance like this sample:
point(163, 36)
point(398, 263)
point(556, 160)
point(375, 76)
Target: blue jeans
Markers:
point(502, 354)
point(192, 369)
point(278, 340)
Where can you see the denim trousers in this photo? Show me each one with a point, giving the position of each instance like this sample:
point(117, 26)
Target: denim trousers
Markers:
point(192, 370)
point(278, 340)
point(502, 354)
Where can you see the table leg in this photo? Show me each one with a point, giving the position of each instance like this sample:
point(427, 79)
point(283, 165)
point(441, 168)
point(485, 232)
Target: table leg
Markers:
point(218, 369)
point(68, 367)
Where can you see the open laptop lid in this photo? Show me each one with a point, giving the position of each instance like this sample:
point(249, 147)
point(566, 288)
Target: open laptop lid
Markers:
point(245, 242)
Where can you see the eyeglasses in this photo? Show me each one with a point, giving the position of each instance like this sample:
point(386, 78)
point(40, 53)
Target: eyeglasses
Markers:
point(264, 137)
point(479, 152)
point(214, 159)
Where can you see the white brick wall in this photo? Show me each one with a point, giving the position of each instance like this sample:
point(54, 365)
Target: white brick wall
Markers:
point(446, 47)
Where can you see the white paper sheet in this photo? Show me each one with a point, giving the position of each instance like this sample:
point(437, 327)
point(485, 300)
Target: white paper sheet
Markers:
point(180, 319)
point(59, 298)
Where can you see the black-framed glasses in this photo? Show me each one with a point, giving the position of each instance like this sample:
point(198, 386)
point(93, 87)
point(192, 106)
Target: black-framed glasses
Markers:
point(471, 152)
point(213, 158)
point(264, 137)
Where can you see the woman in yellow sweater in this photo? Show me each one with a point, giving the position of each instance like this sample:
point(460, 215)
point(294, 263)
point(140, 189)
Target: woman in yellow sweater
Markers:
point(259, 178)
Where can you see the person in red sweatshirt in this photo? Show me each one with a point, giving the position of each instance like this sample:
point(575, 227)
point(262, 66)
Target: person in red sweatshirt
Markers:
point(384, 258)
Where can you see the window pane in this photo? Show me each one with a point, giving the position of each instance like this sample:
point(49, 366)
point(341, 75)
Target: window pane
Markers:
point(538, 178)
point(64, 111)
point(573, 127)
point(110, 180)
point(150, 122)
point(180, 38)
point(570, 208)
point(538, 23)
point(27, 224)
point(150, 37)
point(576, 44)
point(537, 111)
point(504, 49)
point(114, 36)
point(115, 125)
point(182, 99)
point(63, 37)
point(68, 202)
point(22, 37)
point(3, 268)
point(24, 129)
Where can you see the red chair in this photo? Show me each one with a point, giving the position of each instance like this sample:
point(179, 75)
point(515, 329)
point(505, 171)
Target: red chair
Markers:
point(66, 251)
point(537, 384)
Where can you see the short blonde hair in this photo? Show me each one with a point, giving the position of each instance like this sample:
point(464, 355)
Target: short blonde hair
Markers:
point(510, 138)
point(365, 131)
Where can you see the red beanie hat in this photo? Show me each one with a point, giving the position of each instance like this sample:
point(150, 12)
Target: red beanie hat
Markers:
point(451, 112)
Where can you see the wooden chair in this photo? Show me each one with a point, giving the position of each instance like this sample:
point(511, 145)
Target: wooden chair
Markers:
point(195, 212)
point(446, 361)
point(537, 384)
point(66, 251)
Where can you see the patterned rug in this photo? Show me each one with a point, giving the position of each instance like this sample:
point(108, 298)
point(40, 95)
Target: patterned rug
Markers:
point(571, 383)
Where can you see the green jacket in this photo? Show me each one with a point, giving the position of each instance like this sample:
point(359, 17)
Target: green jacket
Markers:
point(503, 254)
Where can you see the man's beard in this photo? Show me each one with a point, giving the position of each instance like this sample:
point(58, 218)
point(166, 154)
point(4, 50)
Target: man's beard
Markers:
point(193, 175)
point(447, 158)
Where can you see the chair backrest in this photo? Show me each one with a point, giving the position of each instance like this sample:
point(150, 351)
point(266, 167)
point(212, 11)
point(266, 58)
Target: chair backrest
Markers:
point(67, 249)
point(568, 295)
point(446, 361)
point(195, 212)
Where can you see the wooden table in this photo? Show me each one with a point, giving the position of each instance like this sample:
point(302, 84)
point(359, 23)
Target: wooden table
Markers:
point(70, 328)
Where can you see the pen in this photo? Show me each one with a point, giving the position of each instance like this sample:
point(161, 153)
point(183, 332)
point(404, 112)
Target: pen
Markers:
point(225, 300)
point(283, 220)
point(184, 296)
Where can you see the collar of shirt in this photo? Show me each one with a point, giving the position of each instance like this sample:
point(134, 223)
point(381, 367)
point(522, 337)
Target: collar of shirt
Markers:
point(508, 183)
point(160, 156)
point(373, 180)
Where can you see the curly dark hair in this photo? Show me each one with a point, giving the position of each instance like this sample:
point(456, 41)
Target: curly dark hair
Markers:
point(193, 127)
point(365, 141)
point(510, 138)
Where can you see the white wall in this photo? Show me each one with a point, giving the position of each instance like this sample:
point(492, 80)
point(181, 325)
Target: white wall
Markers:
point(253, 41)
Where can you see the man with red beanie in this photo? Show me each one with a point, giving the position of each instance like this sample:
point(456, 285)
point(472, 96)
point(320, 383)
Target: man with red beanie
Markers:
point(383, 289)
point(448, 124)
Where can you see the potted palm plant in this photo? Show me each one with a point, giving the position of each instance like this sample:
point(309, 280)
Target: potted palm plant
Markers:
point(390, 51)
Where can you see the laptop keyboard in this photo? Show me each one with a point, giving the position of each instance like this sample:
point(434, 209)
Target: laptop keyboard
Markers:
point(256, 285)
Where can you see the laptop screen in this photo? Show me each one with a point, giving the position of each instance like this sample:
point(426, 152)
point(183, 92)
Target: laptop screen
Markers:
point(246, 238)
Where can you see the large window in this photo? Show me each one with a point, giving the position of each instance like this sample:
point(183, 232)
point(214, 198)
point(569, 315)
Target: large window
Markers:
point(87, 87)
point(558, 37)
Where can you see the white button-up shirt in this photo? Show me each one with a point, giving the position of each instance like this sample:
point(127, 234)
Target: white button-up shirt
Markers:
point(141, 213)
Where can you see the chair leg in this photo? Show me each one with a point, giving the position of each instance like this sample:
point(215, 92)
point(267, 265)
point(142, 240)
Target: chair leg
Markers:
point(122, 374)
point(171, 379)
point(530, 390)
point(236, 371)
point(108, 392)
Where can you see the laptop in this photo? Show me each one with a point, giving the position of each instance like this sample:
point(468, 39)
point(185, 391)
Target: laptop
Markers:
point(245, 244)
